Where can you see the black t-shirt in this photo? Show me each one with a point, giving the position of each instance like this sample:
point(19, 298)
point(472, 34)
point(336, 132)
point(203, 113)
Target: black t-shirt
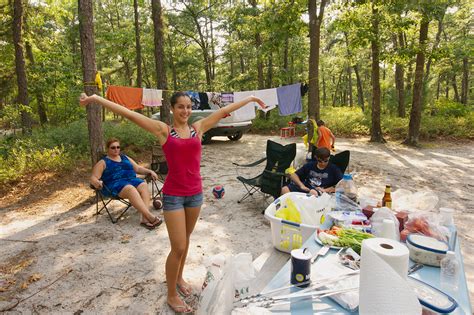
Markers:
point(313, 177)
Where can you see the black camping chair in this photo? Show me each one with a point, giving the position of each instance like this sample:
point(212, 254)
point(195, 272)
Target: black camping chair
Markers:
point(279, 158)
point(105, 200)
point(341, 159)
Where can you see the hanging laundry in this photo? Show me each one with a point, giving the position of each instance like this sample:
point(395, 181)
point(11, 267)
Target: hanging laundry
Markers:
point(129, 97)
point(215, 100)
point(248, 111)
point(269, 97)
point(227, 98)
point(304, 89)
point(194, 96)
point(152, 97)
point(289, 99)
point(204, 101)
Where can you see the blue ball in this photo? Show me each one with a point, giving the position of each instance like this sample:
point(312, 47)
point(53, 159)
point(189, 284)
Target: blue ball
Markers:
point(218, 191)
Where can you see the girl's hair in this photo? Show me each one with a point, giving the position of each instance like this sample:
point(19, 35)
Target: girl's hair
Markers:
point(110, 141)
point(175, 96)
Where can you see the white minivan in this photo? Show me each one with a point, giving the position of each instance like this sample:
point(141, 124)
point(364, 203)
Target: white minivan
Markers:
point(230, 127)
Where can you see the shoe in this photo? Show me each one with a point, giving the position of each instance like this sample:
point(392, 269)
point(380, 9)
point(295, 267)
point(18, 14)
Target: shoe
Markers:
point(152, 225)
point(182, 309)
point(185, 291)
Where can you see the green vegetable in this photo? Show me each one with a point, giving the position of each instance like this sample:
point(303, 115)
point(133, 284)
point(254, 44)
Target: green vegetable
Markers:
point(351, 238)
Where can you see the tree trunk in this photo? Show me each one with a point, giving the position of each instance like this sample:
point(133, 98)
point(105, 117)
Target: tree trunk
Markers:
point(465, 80)
point(17, 27)
point(270, 71)
point(39, 96)
point(138, 46)
point(349, 85)
point(315, 21)
point(376, 129)
point(241, 57)
point(94, 124)
point(455, 88)
point(158, 28)
point(438, 86)
point(415, 114)
point(447, 86)
point(399, 77)
point(174, 73)
point(336, 90)
point(360, 91)
point(324, 90)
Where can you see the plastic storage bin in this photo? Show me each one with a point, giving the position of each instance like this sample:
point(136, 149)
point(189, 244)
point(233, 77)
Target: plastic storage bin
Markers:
point(287, 235)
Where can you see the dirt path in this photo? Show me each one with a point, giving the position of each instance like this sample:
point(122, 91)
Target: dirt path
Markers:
point(54, 247)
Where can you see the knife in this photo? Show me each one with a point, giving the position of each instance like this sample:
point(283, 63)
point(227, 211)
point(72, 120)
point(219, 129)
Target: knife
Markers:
point(322, 251)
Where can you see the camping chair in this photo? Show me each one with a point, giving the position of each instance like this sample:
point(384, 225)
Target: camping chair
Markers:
point(341, 159)
point(279, 158)
point(105, 200)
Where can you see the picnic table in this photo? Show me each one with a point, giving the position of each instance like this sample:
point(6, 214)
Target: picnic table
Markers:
point(325, 305)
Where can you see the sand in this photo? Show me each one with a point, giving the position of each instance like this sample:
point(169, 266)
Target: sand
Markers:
point(58, 256)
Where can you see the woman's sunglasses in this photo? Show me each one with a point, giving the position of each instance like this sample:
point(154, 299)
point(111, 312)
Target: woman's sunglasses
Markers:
point(115, 147)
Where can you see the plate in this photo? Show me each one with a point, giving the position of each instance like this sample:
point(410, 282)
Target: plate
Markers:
point(316, 238)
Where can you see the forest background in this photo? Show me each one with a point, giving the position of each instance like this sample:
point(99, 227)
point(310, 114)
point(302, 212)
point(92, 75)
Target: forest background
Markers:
point(387, 69)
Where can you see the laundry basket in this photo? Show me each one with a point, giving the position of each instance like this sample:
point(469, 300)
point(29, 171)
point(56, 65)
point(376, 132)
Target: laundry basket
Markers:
point(287, 235)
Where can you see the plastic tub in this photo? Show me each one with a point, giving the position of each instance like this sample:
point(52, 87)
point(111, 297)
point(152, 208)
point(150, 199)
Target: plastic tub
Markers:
point(426, 250)
point(287, 235)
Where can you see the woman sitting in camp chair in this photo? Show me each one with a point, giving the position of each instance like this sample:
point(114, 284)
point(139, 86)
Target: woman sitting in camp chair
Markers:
point(116, 175)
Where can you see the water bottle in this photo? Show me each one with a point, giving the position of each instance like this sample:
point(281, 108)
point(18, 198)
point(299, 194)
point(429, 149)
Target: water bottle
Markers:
point(449, 275)
point(345, 187)
point(446, 220)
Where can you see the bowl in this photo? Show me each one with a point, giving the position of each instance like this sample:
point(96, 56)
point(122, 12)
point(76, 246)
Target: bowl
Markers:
point(426, 250)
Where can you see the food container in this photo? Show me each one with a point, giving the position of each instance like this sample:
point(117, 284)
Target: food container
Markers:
point(426, 250)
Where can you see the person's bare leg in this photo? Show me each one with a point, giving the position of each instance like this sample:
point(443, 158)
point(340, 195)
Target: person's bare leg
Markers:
point(131, 193)
point(176, 226)
point(145, 195)
point(192, 215)
point(285, 190)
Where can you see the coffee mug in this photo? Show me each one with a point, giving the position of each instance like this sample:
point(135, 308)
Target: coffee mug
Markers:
point(300, 267)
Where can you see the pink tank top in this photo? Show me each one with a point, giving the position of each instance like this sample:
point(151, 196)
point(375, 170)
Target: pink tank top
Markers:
point(184, 158)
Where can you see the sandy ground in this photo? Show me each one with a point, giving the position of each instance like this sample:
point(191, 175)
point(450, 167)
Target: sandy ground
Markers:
point(57, 256)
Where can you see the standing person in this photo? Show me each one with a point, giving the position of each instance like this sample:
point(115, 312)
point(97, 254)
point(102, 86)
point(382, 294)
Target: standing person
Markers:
point(116, 175)
point(182, 190)
point(326, 138)
point(315, 177)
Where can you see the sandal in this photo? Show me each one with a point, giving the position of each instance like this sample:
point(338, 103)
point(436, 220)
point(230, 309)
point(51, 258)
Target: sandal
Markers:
point(181, 309)
point(152, 225)
point(184, 290)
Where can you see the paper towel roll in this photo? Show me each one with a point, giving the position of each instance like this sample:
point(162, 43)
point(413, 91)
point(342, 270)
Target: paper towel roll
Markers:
point(388, 230)
point(383, 279)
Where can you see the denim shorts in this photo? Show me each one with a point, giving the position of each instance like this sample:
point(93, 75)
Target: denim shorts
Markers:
point(171, 203)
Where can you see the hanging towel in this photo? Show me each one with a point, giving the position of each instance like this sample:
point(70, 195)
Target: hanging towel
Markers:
point(195, 101)
point(227, 98)
point(269, 97)
point(215, 100)
point(152, 97)
point(248, 111)
point(129, 97)
point(204, 101)
point(289, 99)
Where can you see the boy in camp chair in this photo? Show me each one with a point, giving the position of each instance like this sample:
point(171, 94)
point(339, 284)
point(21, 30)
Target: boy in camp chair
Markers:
point(116, 176)
point(315, 177)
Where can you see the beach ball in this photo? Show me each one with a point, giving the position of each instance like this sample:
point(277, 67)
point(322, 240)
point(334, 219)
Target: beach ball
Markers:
point(218, 191)
point(157, 203)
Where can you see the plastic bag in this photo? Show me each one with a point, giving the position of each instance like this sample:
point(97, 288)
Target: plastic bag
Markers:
point(423, 223)
point(347, 204)
point(225, 276)
point(377, 221)
point(405, 200)
point(289, 212)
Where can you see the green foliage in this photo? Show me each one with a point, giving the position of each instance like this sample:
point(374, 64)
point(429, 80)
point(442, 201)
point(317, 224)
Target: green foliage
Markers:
point(27, 158)
point(346, 121)
point(446, 108)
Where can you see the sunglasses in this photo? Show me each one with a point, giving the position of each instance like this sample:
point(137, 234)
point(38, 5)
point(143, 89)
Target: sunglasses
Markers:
point(323, 161)
point(113, 148)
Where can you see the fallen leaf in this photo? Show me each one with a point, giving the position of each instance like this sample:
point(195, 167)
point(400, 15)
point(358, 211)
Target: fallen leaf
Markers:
point(24, 286)
point(35, 277)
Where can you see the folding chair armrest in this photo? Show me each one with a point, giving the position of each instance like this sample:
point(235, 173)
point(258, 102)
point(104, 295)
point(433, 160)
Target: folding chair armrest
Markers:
point(274, 173)
point(251, 164)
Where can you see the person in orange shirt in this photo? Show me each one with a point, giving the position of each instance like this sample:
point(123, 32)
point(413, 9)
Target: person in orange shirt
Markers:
point(326, 138)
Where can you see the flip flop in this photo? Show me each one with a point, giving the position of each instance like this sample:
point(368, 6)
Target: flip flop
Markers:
point(152, 225)
point(182, 309)
point(185, 291)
